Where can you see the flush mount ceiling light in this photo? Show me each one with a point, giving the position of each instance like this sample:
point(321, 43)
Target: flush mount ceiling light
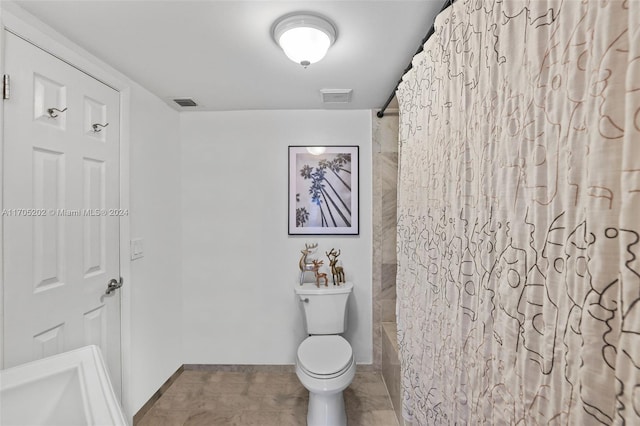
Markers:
point(304, 38)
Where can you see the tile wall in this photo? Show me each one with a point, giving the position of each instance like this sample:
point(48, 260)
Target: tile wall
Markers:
point(385, 171)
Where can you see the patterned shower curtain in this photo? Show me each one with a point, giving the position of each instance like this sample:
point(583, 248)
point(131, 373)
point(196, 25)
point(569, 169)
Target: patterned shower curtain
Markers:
point(519, 216)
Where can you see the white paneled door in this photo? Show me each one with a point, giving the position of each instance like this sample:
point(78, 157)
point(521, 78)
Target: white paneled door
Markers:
point(61, 210)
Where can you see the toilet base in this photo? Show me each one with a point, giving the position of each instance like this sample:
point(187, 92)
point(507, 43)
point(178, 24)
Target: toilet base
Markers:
point(326, 410)
point(326, 398)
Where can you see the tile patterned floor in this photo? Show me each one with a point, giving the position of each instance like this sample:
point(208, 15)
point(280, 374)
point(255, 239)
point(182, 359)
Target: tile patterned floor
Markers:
point(211, 398)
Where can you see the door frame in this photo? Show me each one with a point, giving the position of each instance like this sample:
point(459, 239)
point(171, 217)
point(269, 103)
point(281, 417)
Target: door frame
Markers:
point(21, 23)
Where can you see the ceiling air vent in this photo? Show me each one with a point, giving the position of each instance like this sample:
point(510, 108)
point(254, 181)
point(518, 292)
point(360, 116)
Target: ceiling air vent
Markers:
point(336, 96)
point(185, 102)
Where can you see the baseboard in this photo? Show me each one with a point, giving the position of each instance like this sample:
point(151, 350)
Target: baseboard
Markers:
point(156, 396)
point(243, 368)
point(262, 368)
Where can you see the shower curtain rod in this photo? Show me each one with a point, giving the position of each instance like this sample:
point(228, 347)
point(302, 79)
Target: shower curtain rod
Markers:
point(380, 113)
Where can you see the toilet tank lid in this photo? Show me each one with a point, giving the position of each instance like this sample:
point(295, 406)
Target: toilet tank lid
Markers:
point(311, 288)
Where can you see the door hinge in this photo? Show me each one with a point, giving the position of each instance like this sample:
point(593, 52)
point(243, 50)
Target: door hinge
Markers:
point(6, 86)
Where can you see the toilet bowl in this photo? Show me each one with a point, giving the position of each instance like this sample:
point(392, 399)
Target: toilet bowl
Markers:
point(325, 367)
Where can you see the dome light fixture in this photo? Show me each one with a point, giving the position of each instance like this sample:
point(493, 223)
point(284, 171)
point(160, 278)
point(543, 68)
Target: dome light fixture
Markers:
point(304, 38)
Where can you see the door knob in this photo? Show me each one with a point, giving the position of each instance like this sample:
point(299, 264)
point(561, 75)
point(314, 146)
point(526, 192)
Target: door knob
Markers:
point(113, 285)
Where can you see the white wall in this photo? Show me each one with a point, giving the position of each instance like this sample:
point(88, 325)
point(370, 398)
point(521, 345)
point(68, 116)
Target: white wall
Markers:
point(156, 290)
point(240, 267)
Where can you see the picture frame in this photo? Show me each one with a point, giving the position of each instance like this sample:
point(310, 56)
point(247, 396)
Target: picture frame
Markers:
point(324, 190)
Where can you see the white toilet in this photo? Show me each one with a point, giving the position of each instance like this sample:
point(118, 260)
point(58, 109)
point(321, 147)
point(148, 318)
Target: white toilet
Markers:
point(324, 363)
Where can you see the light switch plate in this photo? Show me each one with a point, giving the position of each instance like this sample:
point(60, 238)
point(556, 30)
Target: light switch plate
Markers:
point(137, 248)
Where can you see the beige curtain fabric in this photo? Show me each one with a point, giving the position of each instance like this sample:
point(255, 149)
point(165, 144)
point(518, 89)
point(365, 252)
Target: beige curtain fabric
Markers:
point(519, 216)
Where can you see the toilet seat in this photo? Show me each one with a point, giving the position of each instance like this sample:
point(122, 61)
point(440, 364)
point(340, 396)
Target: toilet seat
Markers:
point(325, 357)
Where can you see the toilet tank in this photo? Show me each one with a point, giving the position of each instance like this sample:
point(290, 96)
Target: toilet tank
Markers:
point(325, 308)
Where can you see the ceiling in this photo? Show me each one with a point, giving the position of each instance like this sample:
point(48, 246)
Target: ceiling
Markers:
point(221, 54)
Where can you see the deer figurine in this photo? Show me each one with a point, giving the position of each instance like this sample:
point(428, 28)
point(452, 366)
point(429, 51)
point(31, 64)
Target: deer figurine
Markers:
point(305, 265)
point(319, 275)
point(336, 271)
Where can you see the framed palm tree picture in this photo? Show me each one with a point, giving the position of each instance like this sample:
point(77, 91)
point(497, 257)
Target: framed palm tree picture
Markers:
point(323, 190)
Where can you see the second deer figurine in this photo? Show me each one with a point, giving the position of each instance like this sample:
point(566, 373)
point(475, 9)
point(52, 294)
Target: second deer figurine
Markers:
point(319, 275)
